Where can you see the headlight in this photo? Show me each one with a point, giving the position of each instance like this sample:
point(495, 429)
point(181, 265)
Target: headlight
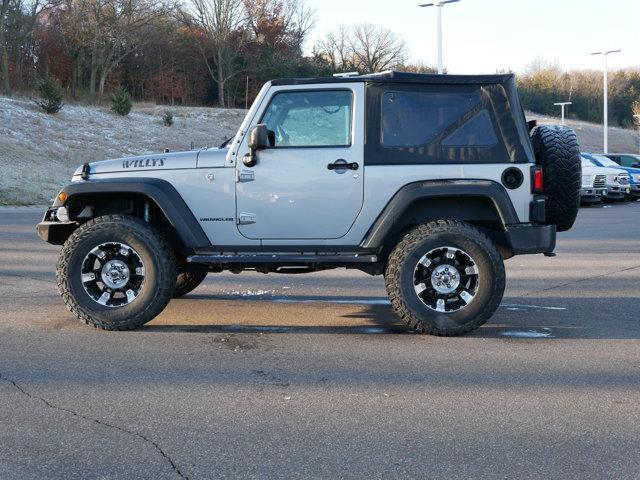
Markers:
point(637, 178)
point(623, 179)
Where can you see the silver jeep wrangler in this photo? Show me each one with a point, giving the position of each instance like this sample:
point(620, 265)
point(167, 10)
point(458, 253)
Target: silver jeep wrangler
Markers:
point(429, 180)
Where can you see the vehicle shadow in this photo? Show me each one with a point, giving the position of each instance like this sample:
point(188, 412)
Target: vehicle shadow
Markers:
point(517, 318)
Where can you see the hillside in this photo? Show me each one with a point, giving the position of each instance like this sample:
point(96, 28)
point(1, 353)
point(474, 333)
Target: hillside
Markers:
point(39, 152)
point(590, 135)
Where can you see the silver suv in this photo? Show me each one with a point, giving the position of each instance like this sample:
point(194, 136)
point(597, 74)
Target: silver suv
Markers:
point(429, 180)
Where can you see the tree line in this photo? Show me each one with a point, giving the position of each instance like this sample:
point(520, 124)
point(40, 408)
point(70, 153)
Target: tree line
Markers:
point(220, 52)
point(541, 85)
point(196, 52)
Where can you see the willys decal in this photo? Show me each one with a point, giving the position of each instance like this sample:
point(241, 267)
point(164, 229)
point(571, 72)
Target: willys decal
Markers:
point(143, 163)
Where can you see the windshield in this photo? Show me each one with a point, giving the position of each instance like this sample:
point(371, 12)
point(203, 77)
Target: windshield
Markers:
point(606, 162)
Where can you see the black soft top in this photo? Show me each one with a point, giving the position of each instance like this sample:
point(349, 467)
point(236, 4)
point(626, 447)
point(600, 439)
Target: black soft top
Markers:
point(497, 100)
point(404, 77)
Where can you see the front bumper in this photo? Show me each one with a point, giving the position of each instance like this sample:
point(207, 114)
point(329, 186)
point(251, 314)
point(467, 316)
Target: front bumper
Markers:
point(592, 194)
point(55, 233)
point(616, 192)
point(527, 238)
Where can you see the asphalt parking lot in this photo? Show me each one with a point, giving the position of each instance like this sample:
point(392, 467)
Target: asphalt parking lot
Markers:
point(256, 376)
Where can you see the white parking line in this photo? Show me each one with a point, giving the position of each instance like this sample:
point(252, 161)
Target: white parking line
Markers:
point(265, 296)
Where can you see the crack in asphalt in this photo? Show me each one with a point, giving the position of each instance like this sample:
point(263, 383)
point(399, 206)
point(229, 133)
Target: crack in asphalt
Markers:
point(580, 280)
point(99, 422)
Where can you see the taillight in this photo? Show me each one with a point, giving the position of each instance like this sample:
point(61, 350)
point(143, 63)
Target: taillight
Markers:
point(537, 180)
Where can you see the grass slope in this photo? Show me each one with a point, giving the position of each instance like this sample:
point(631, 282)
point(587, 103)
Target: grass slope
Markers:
point(39, 152)
point(590, 135)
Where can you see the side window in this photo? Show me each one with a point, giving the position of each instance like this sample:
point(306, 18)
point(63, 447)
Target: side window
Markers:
point(415, 119)
point(310, 119)
point(476, 132)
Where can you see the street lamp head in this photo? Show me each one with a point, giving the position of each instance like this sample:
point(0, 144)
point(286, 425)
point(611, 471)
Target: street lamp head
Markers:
point(437, 3)
point(606, 52)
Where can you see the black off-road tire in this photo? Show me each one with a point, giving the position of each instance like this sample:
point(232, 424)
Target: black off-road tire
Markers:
point(188, 281)
point(557, 150)
point(159, 268)
point(399, 277)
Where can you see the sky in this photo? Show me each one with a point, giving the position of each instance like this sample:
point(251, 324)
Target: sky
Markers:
point(483, 36)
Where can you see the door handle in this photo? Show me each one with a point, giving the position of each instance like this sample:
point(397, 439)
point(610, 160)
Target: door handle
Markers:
point(341, 164)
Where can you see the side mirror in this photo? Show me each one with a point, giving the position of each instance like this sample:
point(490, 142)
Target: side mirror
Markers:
point(635, 165)
point(258, 140)
point(259, 137)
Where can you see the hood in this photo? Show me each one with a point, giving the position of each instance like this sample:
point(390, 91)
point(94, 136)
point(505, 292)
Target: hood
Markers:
point(212, 157)
point(155, 161)
point(601, 171)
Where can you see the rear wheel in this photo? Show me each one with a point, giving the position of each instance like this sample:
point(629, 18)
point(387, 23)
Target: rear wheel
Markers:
point(116, 272)
point(445, 278)
point(556, 148)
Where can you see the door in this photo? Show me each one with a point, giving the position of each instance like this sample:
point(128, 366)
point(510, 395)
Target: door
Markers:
point(309, 183)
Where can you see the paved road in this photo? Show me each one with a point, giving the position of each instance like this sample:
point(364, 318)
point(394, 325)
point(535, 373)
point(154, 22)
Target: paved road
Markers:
point(256, 376)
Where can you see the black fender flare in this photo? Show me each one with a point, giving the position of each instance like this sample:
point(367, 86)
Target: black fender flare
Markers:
point(160, 191)
point(412, 192)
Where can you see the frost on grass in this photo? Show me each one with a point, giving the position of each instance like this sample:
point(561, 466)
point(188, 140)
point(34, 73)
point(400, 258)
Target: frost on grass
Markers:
point(39, 152)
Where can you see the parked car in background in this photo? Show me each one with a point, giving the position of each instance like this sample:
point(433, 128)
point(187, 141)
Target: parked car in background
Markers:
point(594, 182)
point(616, 180)
point(625, 159)
point(634, 173)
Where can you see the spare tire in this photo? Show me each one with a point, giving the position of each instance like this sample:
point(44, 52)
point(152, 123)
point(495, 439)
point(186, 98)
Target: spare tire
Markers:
point(557, 151)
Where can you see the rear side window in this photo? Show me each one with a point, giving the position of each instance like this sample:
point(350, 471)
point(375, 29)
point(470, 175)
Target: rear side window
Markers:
point(415, 119)
point(310, 118)
point(476, 132)
point(443, 124)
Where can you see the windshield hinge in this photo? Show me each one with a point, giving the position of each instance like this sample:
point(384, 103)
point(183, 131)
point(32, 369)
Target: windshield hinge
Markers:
point(246, 176)
point(246, 218)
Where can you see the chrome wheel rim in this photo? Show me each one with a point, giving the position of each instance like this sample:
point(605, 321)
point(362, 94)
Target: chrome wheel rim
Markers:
point(445, 279)
point(112, 274)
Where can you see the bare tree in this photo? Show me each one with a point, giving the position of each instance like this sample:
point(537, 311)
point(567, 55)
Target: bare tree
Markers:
point(363, 47)
point(375, 49)
point(335, 48)
point(290, 20)
point(221, 22)
point(116, 30)
point(73, 22)
point(4, 50)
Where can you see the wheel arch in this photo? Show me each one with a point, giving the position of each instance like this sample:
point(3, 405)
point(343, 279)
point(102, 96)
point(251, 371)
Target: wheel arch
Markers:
point(482, 203)
point(129, 195)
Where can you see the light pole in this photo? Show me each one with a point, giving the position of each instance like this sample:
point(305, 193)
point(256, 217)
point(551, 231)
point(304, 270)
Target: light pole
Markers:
point(637, 117)
point(562, 105)
point(606, 53)
point(439, 4)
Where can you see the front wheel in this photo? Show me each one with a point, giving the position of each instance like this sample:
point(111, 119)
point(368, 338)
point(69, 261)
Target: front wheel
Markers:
point(116, 272)
point(445, 278)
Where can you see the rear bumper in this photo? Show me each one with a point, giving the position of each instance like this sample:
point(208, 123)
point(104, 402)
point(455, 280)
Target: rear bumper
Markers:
point(526, 239)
